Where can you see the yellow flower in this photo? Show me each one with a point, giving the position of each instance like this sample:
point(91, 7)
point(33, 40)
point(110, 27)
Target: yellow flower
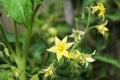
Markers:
point(77, 34)
point(86, 58)
point(81, 58)
point(49, 71)
point(60, 48)
point(99, 8)
point(102, 29)
point(74, 56)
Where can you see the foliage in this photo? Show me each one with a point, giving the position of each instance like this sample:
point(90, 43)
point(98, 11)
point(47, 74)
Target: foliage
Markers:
point(20, 10)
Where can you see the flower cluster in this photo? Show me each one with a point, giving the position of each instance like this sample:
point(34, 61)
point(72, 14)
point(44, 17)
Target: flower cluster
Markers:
point(102, 27)
point(68, 51)
point(61, 47)
point(81, 58)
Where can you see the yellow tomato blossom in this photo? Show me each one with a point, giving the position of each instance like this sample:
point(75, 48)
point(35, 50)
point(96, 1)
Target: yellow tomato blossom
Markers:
point(77, 34)
point(82, 58)
point(102, 29)
point(86, 58)
point(60, 47)
point(48, 71)
point(99, 7)
point(74, 56)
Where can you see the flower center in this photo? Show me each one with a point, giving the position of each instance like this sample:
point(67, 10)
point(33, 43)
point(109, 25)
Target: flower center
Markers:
point(61, 47)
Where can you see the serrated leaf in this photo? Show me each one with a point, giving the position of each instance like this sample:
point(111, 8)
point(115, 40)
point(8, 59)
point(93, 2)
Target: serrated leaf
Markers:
point(35, 77)
point(19, 10)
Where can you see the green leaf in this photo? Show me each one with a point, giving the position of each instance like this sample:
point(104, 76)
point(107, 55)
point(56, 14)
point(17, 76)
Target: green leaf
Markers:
point(3, 75)
point(19, 10)
point(35, 77)
point(107, 59)
point(115, 16)
point(6, 75)
point(2, 66)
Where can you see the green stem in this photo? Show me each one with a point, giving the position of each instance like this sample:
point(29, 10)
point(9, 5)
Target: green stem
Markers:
point(6, 41)
point(29, 31)
point(86, 29)
point(88, 22)
point(27, 44)
point(27, 41)
point(16, 40)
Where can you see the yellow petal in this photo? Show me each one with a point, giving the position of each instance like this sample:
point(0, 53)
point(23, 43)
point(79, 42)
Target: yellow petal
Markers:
point(59, 56)
point(70, 55)
point(52, 49)
point(78, 54)
point(106, 29)
point(64, 40)
point(65, 53)
point(57, 41)
point(68, 45)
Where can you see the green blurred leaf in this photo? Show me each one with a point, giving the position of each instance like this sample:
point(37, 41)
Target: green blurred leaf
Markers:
point(6, 75)
point(35, 77)
point(5, 66)
point(3, 75)
point(108, 59)
point(114, 16)
point(19, 10)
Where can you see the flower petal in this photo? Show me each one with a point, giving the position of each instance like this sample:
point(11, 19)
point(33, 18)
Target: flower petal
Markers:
point(65, 53)
point(64, 40)
point(68, 45)
point(89, 59)
point(57, 41)
point(52, 49)
point(59, 56)
point(93, 52)
point(86, 64)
